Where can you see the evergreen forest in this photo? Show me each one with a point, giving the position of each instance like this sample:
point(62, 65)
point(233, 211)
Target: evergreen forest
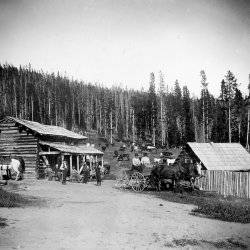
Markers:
point(158, 114)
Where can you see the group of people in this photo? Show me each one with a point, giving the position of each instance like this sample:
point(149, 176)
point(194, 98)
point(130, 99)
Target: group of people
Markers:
point(84, 172)
point(138, 163)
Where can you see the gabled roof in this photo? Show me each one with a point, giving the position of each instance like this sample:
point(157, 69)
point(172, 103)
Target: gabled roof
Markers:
point(222, 156)
point(43, 129)
point(73, 149)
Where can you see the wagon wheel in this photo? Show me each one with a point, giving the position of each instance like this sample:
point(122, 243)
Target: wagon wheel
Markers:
point(137, 182)
point(122, 180)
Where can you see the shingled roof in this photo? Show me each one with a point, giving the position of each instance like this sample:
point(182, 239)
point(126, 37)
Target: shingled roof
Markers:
point(48, 130)
point(222, 156)
point(73, 149)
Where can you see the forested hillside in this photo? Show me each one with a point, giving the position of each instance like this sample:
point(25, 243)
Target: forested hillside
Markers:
point(165, 116)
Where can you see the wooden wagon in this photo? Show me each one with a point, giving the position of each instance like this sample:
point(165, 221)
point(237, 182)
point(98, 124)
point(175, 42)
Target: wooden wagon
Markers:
point(134, 179)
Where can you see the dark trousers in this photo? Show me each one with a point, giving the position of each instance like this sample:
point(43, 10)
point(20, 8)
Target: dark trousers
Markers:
point(137, 168)
point(64, 175)
point(85, 178)
point(98, 177)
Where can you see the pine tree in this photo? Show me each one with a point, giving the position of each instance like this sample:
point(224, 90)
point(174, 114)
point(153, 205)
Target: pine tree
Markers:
point(152, 99)
point(204, 94)
point(228, 88)
point(189, 135)
point(162, 110)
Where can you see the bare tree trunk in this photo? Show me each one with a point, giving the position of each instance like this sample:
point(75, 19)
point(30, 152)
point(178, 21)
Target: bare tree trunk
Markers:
point(105, 126)
point(25, 99)
point(239, 130)
point(133, 125)
point(195, 123)
point(111, 128)
point(127, 119)
point(153, 133)
point(100, 117)
point(79, 114)
point(32, 108)
point(73, 110)
point(248, 127)
point(203, 117)
point(207, 130)
point(49, 107)
point(15, 97)
point(56, 115)
point(229, 122)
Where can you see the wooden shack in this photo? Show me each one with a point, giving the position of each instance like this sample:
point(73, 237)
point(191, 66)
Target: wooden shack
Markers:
point(225, 167)
point(217, 156)
point(37, 142)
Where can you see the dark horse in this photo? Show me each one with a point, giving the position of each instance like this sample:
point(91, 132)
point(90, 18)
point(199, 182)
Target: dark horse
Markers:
point(176, 172)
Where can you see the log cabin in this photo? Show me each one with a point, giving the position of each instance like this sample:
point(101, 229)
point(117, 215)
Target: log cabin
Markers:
point(39, 143)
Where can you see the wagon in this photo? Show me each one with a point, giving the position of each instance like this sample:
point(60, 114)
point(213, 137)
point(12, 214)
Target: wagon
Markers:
point(134, 179)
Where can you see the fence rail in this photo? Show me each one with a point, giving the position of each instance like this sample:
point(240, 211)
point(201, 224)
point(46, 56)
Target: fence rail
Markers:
point(226, 183)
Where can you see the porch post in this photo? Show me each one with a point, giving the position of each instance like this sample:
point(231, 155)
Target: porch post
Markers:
point(77, 163)
point(102, 161)
point(70, 163)
point(90, 162)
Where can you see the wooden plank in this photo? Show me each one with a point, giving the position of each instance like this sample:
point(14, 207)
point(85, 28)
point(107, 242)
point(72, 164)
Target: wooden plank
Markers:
point(8, 136)
point(19, 144)
point(13, 129)
point(11, 147)
point(8, 124)
point(27, 152)
point(14, 142)
point(9, 132)
point(49, 153)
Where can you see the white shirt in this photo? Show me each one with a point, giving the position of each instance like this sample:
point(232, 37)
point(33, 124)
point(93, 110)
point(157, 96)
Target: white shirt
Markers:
point(145, 161)
point(136, 162)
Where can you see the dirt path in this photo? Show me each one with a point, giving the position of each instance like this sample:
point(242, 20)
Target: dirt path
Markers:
point(85, 216)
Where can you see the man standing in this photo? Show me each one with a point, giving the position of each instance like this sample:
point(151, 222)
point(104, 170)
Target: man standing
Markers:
point(64, 168)
point(85, 172)
point(98, 174)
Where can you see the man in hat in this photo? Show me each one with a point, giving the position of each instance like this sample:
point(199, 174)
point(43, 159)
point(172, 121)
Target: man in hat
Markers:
point(98, 173)
point(64, 168)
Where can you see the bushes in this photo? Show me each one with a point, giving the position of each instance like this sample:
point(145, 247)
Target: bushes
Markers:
point(225, 210)
point(211, 204)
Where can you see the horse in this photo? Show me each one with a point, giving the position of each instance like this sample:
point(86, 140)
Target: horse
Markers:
point(177, 172)
point(17, 165)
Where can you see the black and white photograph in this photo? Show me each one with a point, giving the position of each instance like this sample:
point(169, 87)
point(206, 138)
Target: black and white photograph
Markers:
point(124, 124)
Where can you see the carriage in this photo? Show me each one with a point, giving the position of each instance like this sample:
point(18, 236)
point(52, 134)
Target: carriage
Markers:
point(179, 176)
point(137, 180)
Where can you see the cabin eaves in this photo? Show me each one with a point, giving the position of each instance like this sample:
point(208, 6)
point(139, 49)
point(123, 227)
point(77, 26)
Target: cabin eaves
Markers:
point(84, 150)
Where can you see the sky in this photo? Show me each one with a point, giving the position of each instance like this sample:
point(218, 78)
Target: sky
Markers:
point(120, 42)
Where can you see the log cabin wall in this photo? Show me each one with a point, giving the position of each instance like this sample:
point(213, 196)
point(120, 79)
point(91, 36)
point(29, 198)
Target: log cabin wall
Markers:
point(19, 143)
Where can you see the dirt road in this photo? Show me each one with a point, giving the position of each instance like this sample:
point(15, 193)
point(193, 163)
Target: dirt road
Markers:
point(85, 216)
